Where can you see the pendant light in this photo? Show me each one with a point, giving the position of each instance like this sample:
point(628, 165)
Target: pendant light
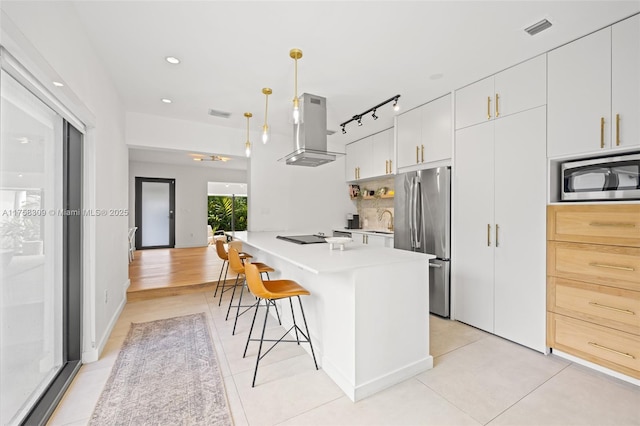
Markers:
point(265, 128)
point(296, 54)
point(247, 145)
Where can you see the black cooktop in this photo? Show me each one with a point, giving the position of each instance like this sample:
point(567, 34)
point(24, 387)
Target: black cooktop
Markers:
point(303, 239)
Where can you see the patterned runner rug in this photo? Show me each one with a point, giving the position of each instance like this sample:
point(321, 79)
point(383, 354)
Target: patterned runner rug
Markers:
point(166, 374)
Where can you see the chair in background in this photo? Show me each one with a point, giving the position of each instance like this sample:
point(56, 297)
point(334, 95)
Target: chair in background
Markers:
point(222, 254)
point(132, 242)
point(270, 291)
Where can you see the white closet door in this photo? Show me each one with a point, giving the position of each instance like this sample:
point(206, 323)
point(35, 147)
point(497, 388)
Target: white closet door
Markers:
point(472, 261)
point(520, 218)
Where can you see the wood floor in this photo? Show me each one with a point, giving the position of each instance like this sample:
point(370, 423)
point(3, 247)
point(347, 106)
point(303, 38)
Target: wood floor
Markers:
point(169, 272)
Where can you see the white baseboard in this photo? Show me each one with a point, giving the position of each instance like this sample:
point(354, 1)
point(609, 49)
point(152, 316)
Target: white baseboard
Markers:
point(93, 354)
point(596, 367)
point(361, 391)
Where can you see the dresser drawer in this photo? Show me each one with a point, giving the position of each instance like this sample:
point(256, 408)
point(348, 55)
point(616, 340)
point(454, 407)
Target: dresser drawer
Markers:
point(612, 224)
point(608, 306)
point(611, 348)
point(598, 264)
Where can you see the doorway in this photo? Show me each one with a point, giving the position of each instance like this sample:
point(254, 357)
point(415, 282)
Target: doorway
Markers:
point(227, 206)
point(155, 217)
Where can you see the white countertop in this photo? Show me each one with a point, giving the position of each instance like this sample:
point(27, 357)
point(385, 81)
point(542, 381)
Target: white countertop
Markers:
point(318, 258)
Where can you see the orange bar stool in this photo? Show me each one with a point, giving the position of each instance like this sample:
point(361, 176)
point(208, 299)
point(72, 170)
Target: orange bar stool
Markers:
point(222, 254)
point(270, 291)
point(238, 267)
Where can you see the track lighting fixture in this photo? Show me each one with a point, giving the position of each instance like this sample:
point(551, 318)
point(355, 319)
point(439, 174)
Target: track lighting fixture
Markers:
point(265, 128)
point(247, 144)
point(296, 54)
point(358, 118)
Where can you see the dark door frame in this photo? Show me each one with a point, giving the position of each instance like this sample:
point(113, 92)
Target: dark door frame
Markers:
point(172, 209)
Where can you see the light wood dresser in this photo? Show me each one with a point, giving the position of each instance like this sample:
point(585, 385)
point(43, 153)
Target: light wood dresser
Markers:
point(593, 283)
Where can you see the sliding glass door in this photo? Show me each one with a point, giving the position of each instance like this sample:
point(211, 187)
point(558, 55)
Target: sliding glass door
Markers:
point(39, 310)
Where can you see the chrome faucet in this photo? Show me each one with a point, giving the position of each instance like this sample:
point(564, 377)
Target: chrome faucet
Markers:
point(390, 226)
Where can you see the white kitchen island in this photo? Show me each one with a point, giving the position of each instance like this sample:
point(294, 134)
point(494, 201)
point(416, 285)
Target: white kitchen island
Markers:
point(368, 312)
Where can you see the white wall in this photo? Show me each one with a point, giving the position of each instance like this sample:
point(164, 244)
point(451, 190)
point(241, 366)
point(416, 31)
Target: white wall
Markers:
point(49, 36)
point(283, 197)
point(191, 196)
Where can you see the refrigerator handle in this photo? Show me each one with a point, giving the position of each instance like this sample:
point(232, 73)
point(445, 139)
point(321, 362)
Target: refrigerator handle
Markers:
point(411, 214)
point(417, 211)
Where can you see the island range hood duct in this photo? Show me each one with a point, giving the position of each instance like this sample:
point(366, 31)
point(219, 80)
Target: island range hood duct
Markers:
point(310, 134)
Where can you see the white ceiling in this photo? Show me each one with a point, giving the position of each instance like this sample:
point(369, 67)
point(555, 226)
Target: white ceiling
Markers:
point(356, 54)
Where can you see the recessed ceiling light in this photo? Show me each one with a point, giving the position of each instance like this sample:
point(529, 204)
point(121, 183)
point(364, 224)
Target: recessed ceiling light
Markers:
point(58, 84)
point(20, 175)
point(23, 140)
point(172, 60)
point(166, 100)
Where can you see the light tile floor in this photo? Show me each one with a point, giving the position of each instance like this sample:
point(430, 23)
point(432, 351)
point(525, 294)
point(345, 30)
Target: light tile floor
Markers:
point(477, 379)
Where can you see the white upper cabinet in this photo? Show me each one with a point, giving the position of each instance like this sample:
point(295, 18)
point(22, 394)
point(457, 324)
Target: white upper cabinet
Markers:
point(513, 90)
point(594, 92)
point(474, 103)
point(625, 82)
point(579, 95)
point(425, 133)
point(409, 137)
point(383, 153)
point(370, 157)
point(437, 126)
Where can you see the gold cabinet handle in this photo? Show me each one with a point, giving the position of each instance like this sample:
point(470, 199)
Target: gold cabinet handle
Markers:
point(614, 224)
point(612, 308)
point(604, 348)
point(417, 154)
point(355, 173)
point(488, 107)
point(601, 132)
point(386, 167)
point(497, 112)
point(604, 265)
point(423, 153)
point(497, 229)
point(488, 235)
point(390, 166)
point(617, 129)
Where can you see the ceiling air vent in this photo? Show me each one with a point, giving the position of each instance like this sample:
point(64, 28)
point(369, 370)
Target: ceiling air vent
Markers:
point(538, 27)
point(221, 114)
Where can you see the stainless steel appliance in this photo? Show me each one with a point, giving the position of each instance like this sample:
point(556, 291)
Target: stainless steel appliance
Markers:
point(303, 239)
point(422, 205)
point(607, 178)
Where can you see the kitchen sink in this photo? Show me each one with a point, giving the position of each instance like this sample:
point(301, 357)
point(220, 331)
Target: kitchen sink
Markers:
point(382, 232)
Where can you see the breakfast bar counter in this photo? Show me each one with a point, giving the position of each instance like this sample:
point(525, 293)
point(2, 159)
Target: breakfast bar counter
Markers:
point(368, 312)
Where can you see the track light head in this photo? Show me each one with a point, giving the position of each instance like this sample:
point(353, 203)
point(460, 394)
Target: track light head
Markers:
point(359, 120)
point(344, 131)
point(396, 107)
point(373, 115)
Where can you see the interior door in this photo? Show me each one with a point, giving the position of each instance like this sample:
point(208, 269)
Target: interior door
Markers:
point(520, 220)
point(473, 226)
point(155, 213)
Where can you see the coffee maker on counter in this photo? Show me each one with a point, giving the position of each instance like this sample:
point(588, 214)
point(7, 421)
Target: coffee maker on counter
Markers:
point(353, 221)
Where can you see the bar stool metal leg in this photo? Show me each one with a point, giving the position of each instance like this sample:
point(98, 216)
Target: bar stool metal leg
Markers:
point(308, 336)
point(224, 263)
point(264, 326)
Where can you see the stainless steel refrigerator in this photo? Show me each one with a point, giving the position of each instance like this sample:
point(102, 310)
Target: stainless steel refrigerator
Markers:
point(422, 223)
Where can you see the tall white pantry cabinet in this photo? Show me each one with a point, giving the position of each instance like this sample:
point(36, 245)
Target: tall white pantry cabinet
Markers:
point(499, 267)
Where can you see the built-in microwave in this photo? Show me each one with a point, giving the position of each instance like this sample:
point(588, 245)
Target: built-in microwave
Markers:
point(606, 178)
